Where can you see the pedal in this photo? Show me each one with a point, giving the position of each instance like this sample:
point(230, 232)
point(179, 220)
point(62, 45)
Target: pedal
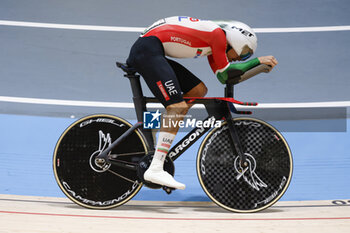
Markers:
point(168, 190)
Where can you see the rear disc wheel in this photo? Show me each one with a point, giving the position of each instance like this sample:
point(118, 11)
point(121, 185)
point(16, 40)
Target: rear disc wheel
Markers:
point(87, 182)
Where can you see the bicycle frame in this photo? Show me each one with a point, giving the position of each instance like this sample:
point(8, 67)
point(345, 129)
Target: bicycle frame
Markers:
point(217, 108)
point(113, 175)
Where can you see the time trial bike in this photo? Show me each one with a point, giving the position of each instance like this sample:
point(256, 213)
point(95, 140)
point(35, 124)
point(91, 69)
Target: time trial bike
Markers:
point(245, 165)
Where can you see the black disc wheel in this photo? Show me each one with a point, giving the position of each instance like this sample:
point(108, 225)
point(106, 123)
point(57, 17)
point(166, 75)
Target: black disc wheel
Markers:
point(251, 186)
point(90, 183)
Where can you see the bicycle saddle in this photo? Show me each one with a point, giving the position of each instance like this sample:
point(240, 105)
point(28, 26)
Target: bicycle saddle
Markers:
point(127, 69)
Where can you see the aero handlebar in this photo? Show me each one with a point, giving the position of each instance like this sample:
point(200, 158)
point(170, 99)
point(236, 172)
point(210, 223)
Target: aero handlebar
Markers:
point(235, 79)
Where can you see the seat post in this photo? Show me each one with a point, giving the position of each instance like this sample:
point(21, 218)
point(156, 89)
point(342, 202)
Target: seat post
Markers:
point(229, 91)
point(137, 95)
point(138, 99)
point(140, 105)
point(135, 85)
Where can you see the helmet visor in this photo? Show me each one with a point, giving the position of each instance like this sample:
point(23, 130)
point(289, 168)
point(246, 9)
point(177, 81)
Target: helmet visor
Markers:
point(246, 53)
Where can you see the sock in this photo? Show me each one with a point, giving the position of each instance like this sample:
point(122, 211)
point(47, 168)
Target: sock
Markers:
point(164, 142)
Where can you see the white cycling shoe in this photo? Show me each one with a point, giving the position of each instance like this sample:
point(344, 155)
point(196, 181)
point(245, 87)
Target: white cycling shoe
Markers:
point(161, 177)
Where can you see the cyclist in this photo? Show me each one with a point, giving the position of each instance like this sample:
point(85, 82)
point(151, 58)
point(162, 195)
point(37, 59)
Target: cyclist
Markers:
point(185, 37)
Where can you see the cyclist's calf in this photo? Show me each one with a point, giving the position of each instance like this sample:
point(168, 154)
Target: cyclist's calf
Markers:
point(174, 114)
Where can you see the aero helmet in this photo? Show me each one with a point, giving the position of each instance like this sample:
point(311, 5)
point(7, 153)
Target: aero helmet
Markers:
point(240, 37)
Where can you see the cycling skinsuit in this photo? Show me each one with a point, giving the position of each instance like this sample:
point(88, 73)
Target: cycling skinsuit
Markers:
point(178, 37)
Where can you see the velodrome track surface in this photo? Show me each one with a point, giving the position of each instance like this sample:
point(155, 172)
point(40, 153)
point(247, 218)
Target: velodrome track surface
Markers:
point(39, 214)
point(44, 71)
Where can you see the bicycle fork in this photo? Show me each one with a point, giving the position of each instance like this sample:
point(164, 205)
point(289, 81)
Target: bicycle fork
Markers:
point(236, 142)
point(229, 92)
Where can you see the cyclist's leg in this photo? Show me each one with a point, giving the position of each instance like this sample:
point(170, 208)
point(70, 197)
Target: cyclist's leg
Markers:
point(147, 57)
point(190, 84)
point(155, 173)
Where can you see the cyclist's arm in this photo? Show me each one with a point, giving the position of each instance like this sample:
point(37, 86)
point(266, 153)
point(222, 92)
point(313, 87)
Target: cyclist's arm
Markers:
point(222, 75)
point(218, 59)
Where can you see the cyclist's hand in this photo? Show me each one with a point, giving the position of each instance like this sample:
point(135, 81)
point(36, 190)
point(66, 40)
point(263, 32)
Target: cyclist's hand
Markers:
point(268, 60)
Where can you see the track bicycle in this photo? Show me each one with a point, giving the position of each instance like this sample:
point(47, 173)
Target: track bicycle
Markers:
point(245, 165)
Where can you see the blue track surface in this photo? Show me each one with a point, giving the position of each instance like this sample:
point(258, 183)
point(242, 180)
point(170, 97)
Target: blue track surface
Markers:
point(321, 162)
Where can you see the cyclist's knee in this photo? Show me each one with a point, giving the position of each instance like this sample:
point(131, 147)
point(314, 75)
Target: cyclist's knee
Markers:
point(203, 89)
point(198, 91)
point(178, 108)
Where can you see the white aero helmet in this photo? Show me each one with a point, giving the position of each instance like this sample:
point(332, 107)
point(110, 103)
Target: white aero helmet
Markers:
point(240, 37)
